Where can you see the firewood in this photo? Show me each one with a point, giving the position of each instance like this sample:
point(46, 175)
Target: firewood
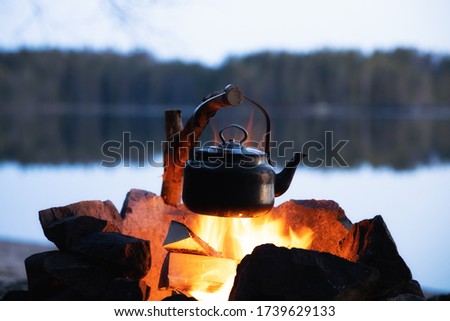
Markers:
point(181, 239)
point(172, 183)
point(188, 272)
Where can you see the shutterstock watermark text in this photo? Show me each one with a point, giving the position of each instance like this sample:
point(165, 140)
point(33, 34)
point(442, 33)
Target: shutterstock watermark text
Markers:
point(129, 152)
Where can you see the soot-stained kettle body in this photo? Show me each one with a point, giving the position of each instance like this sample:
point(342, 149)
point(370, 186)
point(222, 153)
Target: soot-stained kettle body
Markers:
point(231, 180)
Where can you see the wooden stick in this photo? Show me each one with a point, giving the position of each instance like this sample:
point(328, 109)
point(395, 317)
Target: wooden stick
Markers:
point(179, 139)
point(230, 96)
point(173, 173)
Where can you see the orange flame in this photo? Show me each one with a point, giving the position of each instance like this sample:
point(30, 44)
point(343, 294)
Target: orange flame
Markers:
point(237, 237)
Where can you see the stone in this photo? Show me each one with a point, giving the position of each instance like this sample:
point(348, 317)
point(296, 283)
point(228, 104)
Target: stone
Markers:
point(146, 216)
point(96, 232)
point(369, 242)
point(67, 231)
point(41, 284)
point(279, 274)
point(91, 228)
point(413, 287)
point(98, 209)
point(128, 255)
point(325, 218)
point(56, 275)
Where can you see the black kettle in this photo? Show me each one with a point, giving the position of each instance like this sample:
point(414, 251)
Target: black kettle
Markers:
point(231, 180)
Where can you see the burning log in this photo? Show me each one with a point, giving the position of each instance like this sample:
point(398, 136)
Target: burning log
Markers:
point(191, 263)
point(181, 239)
point(187, 272)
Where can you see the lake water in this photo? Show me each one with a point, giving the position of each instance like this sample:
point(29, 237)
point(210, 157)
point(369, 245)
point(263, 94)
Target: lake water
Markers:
point(413, 203)
point(388, 138)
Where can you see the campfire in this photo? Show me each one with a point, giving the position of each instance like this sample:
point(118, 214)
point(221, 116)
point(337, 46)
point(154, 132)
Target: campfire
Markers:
point(301, 250)
point(228, 238)
point(157, 248)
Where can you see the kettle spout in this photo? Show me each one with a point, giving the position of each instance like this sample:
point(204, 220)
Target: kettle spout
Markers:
point(284, 178)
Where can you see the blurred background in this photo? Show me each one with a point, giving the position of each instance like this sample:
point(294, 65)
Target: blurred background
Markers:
point(75, 74)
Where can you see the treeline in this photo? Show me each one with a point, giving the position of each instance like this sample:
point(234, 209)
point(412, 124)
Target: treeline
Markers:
point(55, 105)
point(397, 78)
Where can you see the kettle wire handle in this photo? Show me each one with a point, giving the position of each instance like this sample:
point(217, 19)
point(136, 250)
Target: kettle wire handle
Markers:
point(267, 135)
point(237, 101)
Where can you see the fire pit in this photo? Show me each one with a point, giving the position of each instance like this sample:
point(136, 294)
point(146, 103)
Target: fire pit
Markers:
point(301, 250)
point(158, 249)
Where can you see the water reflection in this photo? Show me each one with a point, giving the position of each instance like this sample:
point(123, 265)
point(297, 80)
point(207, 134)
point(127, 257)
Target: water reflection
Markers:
point(383, 139)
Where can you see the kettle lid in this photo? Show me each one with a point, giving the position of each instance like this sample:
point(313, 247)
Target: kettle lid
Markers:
point(231, 151)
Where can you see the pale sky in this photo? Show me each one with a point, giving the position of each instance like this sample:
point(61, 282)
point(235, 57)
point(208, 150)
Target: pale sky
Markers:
point(209, 31)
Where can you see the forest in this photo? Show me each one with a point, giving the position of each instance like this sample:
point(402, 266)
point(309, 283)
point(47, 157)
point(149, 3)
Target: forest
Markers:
point(36, 79)
point(61, 106)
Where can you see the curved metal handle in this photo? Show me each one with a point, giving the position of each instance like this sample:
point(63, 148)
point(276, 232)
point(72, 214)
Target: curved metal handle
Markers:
point(232, 96)
point(235, 126)
point(267, 138)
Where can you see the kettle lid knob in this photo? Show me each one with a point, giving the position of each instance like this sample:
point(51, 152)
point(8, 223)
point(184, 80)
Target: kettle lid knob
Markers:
point(232, 140)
